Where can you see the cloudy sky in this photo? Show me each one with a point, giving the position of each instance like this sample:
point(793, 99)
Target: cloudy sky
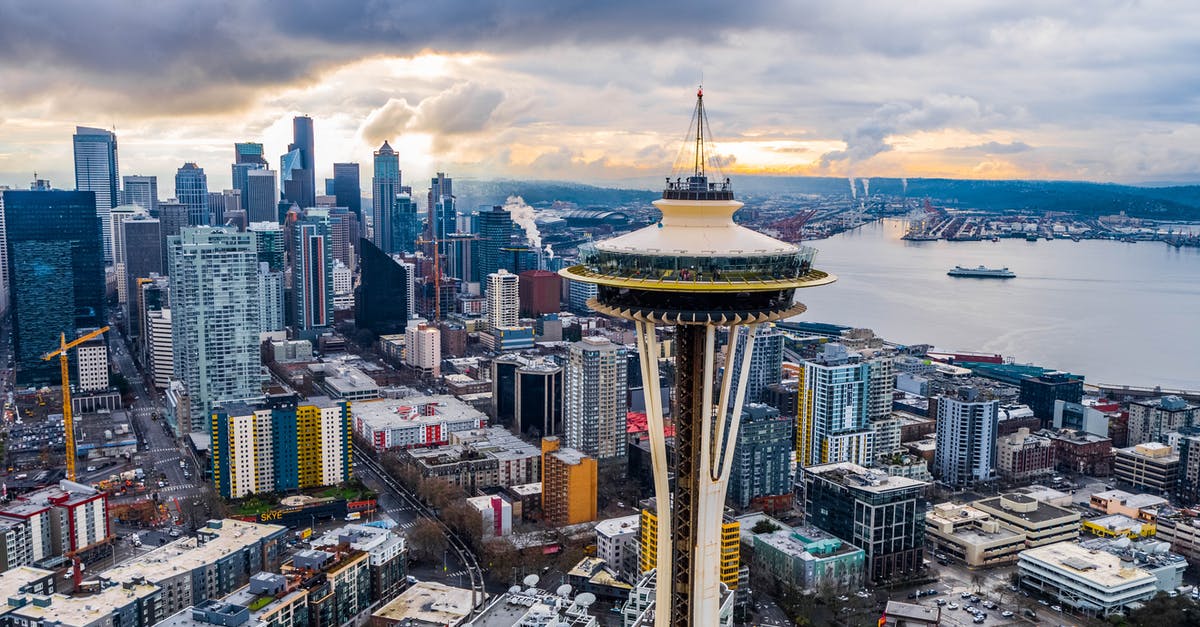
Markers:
point(602, 91)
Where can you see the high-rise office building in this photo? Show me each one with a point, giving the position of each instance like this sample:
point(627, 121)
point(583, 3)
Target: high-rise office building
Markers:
point(578, 294)
point(881, 385)
point(214, 314)
point(502, 299)
point(832, 423)
point(541, 293)
point(495, 232)
point(261, 198)
point(382, 302)
point(191, 189)
point(569, 484)
point(766, 362)
point(280, 444)
point(96, 171)
point(249, 152)
point(56, 275)
point(347, 188)
point(142, 255)
point(1040, 392)
point(268, 244)
point(298, 179)
point(966, 439)
point(385, 186)
point(527, 395)
point(405, 225)
point(91, 365)
point(312, 275)
point(141, 191)
point(173, 218)
point(443, 217)
point(595, 402)
point(5, 279)
point(762, 458)
point(884, 516)
point(222, 203)
point(343, 228)
point(116, 238)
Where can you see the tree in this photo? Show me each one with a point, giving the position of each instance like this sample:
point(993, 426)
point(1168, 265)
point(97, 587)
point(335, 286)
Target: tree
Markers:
point(439, 493)
point(426, 542)
point(501, 558)
point(465, 521)
point(1179, 611)
point(764, 526)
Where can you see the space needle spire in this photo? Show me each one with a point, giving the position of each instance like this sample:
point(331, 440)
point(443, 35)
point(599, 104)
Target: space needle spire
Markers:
point(700, 272)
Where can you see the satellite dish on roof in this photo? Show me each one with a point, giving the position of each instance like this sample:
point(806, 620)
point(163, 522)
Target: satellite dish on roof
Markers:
point(514, 590)
point(531, 581)
point(563, 590)
point(585, 599)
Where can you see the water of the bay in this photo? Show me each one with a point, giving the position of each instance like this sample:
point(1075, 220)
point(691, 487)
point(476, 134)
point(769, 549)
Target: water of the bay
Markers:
point(1121, 313)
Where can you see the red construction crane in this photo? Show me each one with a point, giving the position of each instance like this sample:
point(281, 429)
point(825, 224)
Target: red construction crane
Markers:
point(791, 228)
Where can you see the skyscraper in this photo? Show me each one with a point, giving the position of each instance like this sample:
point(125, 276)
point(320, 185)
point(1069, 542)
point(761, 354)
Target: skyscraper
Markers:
point(382, 302)
point(832, 422)
point(261, 198)
point(595, 401)
point(347, 188)
point(191, 189)
point(495, 232)
point(116, 217)
point(385, 185)
point(502, 298)
point(96, 171)
point(141, 238)
point(214, 318)
point(762, 459)
point(312, 275)
point(268, 244)
point(56, 275)
point(173, 218)
point(271, 301)
point(966, 439)
point(249, 152)
point(298, 179)
point(405, 224)
point(141, 191)
point(766, 362)
point(443, 217)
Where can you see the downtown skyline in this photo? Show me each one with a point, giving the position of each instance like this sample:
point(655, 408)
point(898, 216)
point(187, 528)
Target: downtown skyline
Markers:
point(593, 92)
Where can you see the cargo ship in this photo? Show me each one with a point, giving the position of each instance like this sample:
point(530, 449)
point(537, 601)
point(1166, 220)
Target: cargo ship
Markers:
point(982, 272)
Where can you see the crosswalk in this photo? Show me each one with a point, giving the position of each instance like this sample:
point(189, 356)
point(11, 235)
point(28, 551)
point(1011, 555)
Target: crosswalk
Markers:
point(176, 488)
point(460, 573)
point(406, 525)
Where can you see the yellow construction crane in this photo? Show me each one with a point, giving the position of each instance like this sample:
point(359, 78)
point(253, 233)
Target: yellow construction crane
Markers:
point(68, 421)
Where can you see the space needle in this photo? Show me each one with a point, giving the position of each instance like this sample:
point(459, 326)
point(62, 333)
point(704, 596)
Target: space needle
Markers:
point(698, 271)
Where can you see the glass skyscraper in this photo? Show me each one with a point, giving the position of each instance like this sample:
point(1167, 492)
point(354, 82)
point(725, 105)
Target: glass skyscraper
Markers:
point(215, 317)
point(312, 275)
point(191, 189)
point(381, 302)
point(385, 185)
point(298, 179)
point(56, 275)
point(347, 188)
point(141, 191)
point(495, 232)
point(96, 171)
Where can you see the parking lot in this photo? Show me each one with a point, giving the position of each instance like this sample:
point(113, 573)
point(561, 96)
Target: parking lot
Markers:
point(992, 586)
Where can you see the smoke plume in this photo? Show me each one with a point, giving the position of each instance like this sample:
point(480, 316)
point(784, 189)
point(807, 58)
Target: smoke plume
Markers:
point(522, 214)
point(904, 186)
point(866, 186)
point(549, 252)
point(853, 189)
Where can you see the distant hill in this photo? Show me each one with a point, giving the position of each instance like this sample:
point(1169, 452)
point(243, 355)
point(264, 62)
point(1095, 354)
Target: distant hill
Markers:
point(1180, 202)
point(472, 194)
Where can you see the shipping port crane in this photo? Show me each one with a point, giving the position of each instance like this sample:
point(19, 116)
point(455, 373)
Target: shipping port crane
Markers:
point(68, 421)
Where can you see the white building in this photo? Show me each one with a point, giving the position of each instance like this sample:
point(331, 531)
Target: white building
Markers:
point(91, 364)
point(415, 421)
point(617, 544)
point(834, 414)
point(495, 514)
point(1095, 582)
point(503, 304)
point(162, 356)
point(423, 348)
point(966, 441)
point(343, 286)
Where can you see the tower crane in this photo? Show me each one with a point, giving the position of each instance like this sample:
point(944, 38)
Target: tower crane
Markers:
point(437, 273)
point(68, 421)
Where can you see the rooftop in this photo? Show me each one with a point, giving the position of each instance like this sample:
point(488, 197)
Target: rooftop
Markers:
point(430, 603)
point(859, 478)
point(1014, 505)
point(1100, 568)
point(492, 442)
point(186, 554)
point(618, 526)
point(85, 610)
point(13, 579)
point(414, 411)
